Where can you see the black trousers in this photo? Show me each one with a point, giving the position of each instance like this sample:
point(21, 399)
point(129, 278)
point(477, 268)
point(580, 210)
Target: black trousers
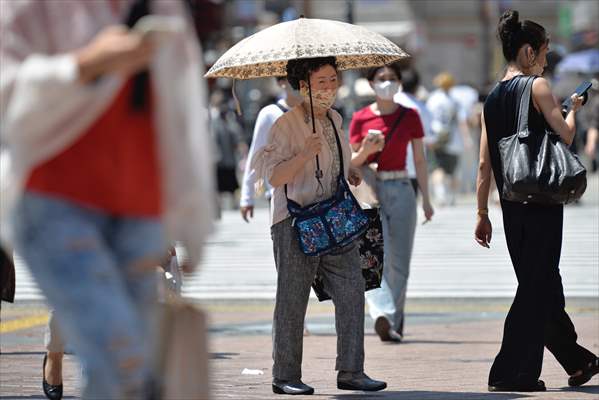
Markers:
point(537, 318)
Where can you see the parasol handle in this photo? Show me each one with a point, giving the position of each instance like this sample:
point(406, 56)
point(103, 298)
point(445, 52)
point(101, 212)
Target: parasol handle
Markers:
point(237, 104)
point(319, 173)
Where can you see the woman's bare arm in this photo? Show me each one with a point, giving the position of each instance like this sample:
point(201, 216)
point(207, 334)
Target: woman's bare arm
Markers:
point(484, 230)
point(545, 102)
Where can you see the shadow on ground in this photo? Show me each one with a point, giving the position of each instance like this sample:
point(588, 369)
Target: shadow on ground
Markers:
point(426, 395)
point(432, 395)
point(593, 389)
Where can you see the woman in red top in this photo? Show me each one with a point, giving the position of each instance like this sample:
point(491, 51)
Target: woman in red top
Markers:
point(399, 127)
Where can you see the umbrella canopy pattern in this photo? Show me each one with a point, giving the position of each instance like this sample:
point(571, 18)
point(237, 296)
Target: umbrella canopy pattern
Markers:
point(266, 53)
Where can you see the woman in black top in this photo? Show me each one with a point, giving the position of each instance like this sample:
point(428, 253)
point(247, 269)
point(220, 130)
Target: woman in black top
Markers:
point(537, 318)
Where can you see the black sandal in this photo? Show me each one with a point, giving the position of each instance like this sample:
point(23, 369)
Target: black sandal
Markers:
point(587, 373)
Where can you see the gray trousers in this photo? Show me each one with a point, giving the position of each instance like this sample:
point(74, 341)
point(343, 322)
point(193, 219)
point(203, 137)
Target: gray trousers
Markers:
point(343, 280)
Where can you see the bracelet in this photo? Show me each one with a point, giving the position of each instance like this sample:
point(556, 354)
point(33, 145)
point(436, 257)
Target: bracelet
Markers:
point(482, 211)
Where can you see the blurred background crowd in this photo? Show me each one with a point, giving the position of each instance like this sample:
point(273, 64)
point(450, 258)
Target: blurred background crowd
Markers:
point(456, 38)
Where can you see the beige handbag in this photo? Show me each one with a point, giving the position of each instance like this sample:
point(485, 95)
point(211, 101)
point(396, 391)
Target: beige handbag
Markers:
point(365, 192)
point(182, 357)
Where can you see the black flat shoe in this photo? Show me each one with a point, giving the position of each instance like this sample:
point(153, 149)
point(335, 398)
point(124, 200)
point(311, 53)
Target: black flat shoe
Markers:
point(518, 387)
point(587, 373)
point(358, 381)
point(291, 387)
point(53, 392)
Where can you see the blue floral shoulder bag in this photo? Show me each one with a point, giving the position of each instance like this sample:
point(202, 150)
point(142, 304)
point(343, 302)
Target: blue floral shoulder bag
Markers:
point(329, 224)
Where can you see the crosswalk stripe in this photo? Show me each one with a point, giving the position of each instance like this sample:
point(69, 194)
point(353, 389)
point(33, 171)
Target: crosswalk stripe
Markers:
point(446, 262)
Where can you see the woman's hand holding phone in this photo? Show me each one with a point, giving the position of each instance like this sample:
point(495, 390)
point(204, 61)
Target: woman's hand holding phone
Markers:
point(373, 142)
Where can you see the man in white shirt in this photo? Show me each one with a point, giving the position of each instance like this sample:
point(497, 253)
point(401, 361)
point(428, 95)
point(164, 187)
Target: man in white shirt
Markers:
point(265, 120)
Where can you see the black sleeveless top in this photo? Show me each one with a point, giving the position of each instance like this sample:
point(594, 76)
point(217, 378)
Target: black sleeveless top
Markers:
point(501, 118)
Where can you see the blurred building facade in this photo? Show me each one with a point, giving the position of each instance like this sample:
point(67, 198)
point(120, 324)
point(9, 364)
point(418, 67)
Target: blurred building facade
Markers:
point(457, 36)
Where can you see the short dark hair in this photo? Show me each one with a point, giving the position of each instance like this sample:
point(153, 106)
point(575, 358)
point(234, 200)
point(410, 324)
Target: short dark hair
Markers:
point(514, 34)
point(410, 81)
point(393, 66)
point(299, 69)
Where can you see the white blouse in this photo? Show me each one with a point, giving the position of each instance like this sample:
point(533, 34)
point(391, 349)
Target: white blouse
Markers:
point(286, 140)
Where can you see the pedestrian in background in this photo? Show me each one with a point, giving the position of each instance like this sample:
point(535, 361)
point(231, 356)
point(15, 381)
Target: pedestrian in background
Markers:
point(107, 134)
point(407, 97)
point(287, 163)
point(229, 145)
point(591, 148)
point(394, 191)
point(265, 120)
point(449, 140)
point(537, 317)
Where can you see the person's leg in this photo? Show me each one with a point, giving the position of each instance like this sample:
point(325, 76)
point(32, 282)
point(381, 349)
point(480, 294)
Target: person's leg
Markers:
point(560, 334)
point(533, 236)
point(561, 341)
point(139, 246)
point(342, 276)
point(54, 352)
point(343, 280)
point(398, 214)
point(453, 176)
point(295, 273)
point(65, 248)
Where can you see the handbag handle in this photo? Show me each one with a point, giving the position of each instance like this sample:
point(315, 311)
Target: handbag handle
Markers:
point(523, 131)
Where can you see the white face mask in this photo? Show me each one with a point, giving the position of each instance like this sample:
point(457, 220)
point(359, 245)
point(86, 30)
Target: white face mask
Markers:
point(386, 89)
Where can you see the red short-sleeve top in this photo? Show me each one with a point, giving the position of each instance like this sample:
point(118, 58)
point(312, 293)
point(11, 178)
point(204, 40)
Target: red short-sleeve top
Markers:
point(113, 166)
point(393, 157)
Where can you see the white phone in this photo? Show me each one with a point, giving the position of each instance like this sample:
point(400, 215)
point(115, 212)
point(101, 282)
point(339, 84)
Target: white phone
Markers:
point(375, 135)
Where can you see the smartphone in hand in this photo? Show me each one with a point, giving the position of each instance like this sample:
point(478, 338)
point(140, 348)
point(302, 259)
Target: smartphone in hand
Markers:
point(375, 135)
point(581, 90)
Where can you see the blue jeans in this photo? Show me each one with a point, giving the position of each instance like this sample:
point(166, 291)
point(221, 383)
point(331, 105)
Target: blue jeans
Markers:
point(398, 215)
point(89, 266)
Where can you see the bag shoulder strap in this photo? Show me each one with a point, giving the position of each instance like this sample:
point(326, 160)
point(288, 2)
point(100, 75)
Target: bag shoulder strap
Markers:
point(338, 145)
point(392, 131)
point(523, 110)
point(339, 149)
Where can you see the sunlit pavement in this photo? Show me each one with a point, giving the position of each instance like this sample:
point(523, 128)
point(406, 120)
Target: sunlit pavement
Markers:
point(458, 297)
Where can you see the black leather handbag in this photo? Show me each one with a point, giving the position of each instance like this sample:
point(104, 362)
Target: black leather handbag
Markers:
point(537, 166)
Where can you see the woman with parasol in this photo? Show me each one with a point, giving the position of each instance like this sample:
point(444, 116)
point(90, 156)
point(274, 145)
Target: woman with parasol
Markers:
point(288, 159)
point(307, 160)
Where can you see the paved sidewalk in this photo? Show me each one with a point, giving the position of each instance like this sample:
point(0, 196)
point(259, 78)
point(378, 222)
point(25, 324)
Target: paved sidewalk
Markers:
point(449, 346)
